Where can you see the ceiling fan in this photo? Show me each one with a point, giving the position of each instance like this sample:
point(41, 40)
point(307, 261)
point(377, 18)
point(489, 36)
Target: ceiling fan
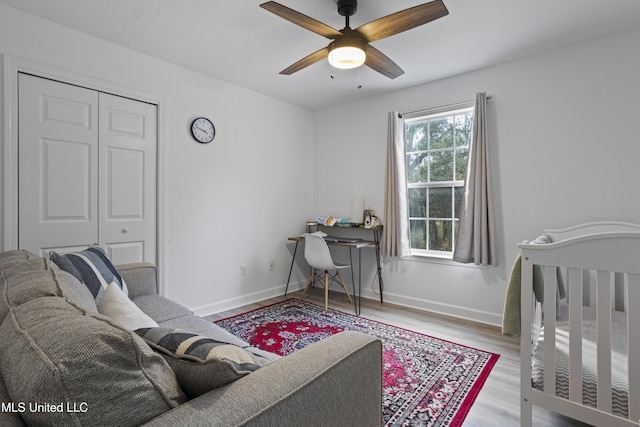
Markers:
point(350, 48)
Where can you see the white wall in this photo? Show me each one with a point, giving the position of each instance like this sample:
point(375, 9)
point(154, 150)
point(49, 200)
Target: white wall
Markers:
point(565, 124)
point(565, 130)
point(227, 203)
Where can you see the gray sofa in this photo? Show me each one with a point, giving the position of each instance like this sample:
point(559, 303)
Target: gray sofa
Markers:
point(63, 363)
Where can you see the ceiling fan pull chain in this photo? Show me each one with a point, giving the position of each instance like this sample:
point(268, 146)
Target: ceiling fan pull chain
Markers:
point(359, 78)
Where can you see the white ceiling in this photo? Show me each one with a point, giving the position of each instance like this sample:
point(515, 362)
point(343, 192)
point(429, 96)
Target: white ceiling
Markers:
point(239, 42)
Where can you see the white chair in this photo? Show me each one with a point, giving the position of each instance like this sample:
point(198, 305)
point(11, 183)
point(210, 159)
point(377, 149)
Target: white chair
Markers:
point(317, 254)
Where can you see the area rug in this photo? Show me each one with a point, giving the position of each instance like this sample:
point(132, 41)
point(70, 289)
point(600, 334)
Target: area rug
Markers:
point(426, 381)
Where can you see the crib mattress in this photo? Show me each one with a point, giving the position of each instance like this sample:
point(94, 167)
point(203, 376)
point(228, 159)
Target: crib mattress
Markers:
point(619, 365)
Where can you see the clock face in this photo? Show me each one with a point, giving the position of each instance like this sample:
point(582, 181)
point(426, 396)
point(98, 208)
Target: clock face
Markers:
point(203, 130)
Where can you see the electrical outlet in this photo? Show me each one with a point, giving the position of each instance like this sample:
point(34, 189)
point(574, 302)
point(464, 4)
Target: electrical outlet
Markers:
point(243, 269)
point(272, 265)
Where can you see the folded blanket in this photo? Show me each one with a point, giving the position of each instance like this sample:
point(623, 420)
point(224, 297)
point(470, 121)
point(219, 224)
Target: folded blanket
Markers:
point(511, 313)
point(511, 316)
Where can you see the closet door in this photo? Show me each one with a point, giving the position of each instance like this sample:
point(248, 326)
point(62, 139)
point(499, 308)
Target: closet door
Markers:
point(57, 166)
point(127, 187)
point(87, 171)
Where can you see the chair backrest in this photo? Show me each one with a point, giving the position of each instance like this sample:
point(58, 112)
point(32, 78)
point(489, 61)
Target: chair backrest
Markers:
point(316, 252)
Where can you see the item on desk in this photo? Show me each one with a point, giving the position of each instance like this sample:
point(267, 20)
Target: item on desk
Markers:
point(370, 220)
point(312, 226)
point(343, 222)
point(340, 239)
point(329, 221)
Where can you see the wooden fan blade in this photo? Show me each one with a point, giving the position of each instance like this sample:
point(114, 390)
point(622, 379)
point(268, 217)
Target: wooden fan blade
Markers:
point(300, 19)
point(402, 21)
point(316, 56)
point(381, 63)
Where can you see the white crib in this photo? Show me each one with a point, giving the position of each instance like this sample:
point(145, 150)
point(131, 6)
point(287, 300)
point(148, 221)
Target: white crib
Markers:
point(591, 344)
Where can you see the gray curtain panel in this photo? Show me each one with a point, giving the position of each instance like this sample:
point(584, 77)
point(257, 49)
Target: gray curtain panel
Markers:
point(475, 242)
point(395, 239)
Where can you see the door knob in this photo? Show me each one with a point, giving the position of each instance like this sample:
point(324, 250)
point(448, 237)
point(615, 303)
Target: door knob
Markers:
point(125, 230)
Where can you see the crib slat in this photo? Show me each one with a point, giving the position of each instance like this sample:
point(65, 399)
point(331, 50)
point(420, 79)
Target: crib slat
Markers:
point(526, 304)
point(633, 338)
point(603, 334)
point(550, 286)
point(575, 334)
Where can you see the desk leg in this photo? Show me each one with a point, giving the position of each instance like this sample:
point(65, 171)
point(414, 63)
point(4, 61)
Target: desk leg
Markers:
point(359, 281)
point(353, 282)
point(293, 258)
point(356, 295)
point(376, 237)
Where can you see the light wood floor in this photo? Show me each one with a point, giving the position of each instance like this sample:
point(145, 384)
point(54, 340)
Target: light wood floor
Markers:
point(498, 403)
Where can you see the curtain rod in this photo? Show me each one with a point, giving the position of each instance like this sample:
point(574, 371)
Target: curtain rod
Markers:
point(443, 107)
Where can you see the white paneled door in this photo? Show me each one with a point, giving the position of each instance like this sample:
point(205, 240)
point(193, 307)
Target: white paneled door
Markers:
point(127, 184)
point(87, 171)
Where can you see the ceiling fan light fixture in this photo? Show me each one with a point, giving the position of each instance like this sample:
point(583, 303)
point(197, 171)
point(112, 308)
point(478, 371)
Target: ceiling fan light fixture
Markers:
point(347, 53)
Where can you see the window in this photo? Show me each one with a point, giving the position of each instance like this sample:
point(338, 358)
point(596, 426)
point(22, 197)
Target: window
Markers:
point(437, 146)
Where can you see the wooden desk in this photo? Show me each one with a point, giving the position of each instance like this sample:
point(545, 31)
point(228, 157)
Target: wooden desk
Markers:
point(374, 244)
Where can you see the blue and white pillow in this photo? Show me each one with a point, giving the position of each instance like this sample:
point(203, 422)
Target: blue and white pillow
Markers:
point(93, 268)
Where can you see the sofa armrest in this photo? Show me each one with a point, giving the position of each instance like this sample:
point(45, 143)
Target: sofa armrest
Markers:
point(336, 381)
point(141, 278)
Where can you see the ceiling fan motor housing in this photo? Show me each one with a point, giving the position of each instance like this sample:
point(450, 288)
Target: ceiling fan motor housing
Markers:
point(347, 7)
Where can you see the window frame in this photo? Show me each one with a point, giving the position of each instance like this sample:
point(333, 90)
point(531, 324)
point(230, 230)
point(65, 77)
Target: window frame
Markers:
point(424, 115)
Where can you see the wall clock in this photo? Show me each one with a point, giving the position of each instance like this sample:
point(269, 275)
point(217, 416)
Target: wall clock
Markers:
point(203, 130)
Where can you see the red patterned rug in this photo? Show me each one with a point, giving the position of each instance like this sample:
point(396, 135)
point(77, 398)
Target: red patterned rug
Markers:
point(426, 381)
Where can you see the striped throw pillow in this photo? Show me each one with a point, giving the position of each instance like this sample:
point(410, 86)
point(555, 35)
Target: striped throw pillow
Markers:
point(200, 363)
point(91, 267)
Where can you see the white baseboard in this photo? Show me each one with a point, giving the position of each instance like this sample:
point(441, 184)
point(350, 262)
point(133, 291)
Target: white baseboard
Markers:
point(240, 301)
point(436, 307)
point(410, 302)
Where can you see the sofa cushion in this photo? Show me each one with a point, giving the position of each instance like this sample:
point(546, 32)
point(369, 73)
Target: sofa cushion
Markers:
point(141, 278)
point(10, 413)
point(41, 278)
point(200, 363)
point(10, 259)
point(14, 257)
point(55, 353)
point(93, 268)
point(160, 308)
point(117, 306)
